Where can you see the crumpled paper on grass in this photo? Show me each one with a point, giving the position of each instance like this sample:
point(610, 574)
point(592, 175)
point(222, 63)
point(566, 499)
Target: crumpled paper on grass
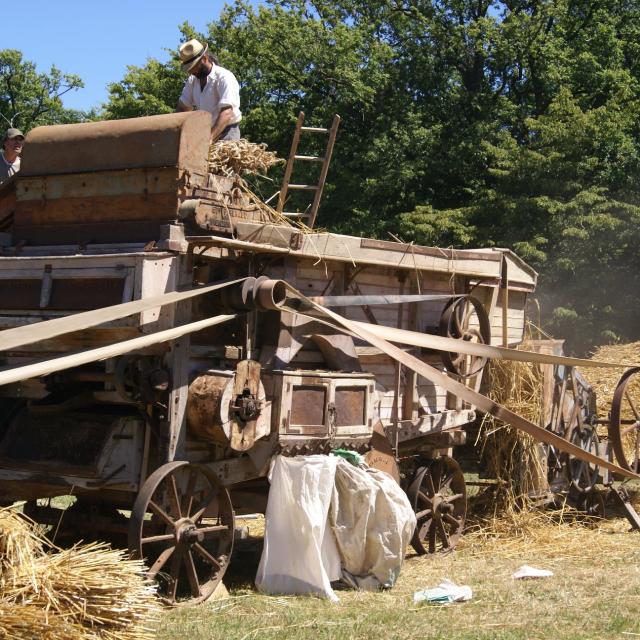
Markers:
point(525, 571)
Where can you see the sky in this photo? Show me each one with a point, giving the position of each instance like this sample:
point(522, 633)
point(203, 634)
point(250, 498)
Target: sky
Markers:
point(97, 40)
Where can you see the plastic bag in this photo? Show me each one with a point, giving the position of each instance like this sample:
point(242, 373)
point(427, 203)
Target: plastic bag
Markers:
point(445, 593)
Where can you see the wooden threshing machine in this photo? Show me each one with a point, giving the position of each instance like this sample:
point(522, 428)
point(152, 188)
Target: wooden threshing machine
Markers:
point(187, 347)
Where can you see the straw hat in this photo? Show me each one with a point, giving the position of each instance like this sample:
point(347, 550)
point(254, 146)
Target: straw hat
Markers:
point(190, 54)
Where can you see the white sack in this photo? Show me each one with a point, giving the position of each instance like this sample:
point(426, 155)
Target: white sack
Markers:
point(300, 554)
point(373, 522)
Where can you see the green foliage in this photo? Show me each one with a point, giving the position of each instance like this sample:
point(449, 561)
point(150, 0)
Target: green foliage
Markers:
point(465, 123)
point(29, 98)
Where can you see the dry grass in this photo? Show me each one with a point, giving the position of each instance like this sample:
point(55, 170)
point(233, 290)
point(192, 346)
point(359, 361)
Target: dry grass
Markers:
point(88, 591)
point(604, 381)
point(595, 592)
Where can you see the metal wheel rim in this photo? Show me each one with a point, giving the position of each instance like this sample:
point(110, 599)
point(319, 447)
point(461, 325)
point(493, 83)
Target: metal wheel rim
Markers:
point(450, 323)
point(615, 429)
point(166, 529)
point(439, 498)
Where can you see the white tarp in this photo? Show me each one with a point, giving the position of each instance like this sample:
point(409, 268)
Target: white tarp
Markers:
point(373, 522)
point(327, 519)
point(300, 554)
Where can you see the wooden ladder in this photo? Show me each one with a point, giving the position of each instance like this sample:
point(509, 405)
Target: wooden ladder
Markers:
point(309, 217)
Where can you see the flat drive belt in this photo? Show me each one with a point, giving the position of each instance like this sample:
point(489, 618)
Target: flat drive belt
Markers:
point(460, 390)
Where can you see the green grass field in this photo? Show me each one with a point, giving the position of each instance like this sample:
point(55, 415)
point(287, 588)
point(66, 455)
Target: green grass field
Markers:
point(594, 593)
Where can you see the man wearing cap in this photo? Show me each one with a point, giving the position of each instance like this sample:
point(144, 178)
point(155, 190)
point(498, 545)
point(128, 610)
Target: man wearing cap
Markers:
point(211, 88)
point(10, 156)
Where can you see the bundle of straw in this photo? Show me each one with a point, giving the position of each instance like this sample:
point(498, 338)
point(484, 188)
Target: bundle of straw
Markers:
point(88, 591)
point(237, 157)
point(512, 457)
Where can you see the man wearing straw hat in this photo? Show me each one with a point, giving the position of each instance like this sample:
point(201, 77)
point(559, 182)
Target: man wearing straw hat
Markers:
point(211, 88)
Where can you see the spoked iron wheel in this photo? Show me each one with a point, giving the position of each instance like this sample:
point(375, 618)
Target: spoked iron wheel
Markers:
point(624, 423)
point(465, 318)
point(439, 498)
point(584, 475)
point(182, 526)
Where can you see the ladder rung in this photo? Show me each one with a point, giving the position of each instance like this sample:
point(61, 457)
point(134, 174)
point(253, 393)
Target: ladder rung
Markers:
point(295, 215)
point(309, 158)
point(306, 187)
point(314, 129)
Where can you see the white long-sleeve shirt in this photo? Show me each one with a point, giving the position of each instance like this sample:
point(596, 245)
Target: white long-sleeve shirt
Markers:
point(221, 90)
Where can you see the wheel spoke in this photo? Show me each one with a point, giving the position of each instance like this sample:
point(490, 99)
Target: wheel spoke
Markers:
point(423, 513)
point(633, 408)
point(206, 555)
point(173, 494)
point(432, 539)
point(161, 538)
point(633, 427)
point(447, 482)
point(161, 513)
point(213, 529)
point(447, 517)
point(453, 498)
point(161, 560)
point(427, 499)
point(175, 574)
point(428, 480)
point(444, 538)
point(425, 529)
point(192, 574)
point(436, 477)
point(203, 504)
point(188, 495)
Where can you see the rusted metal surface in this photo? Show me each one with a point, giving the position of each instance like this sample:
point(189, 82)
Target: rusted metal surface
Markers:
point(246, 406)
point(624, 423)
point(176, 139)
point(439, 497)
point(204, 404)
point(182, 525)
point(465, 318)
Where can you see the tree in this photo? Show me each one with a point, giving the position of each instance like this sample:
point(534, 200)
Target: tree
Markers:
point(29, 98)
point(465, 123)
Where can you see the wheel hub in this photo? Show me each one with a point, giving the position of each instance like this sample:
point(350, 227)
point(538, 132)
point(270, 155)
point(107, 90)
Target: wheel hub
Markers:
point(187, 533)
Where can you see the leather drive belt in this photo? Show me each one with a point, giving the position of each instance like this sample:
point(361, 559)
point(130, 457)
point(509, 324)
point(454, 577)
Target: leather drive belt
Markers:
point(380, 339)
point(52, 365)
point(28, 334)
point(460, 390)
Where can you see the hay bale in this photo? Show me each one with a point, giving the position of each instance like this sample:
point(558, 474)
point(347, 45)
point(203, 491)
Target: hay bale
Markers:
point(88, 591)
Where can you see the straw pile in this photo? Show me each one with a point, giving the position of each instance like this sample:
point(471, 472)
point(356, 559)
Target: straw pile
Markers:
point(237, 157)
point(604, 381)
point(511, 456)
point(87, 592)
